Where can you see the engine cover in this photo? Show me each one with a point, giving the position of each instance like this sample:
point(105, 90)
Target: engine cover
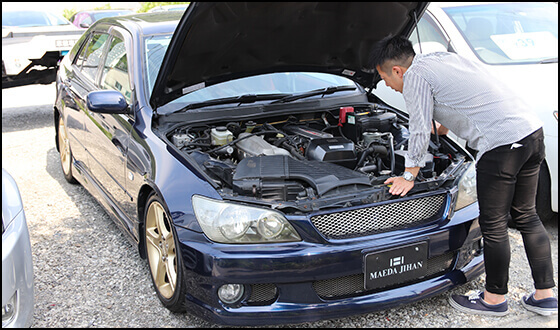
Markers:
point(256, 176)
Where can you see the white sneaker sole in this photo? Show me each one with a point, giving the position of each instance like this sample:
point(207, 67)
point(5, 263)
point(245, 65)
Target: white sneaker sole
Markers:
point(463, 309)
point(539, 310)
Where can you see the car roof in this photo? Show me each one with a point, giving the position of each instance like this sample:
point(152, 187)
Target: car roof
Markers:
point(145, 23)
point(459, 4)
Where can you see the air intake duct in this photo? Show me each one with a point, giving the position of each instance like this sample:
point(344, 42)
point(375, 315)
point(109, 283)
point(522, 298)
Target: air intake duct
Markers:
point(259, 176)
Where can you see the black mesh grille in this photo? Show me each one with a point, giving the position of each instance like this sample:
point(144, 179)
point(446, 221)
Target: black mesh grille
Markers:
point(262, 294)
point(353, 285)
point(378, 219)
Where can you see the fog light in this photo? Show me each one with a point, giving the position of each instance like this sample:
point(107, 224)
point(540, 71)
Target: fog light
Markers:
point(230, 293)
point(9, 310)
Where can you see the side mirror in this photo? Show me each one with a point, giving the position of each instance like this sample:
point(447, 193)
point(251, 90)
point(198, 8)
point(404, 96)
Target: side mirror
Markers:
point(84, 25)
point(107, 101)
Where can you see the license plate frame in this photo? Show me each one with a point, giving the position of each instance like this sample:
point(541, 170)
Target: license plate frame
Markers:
point(395, 265)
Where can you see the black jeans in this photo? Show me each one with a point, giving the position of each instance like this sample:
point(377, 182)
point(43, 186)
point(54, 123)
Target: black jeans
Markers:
point(507, 179)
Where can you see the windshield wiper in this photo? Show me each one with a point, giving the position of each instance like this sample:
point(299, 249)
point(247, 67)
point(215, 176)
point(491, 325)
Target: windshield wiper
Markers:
point(549, 60)
point(245, 98)
point(322, 91)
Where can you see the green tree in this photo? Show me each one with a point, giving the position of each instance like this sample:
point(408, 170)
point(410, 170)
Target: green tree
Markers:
point(67, 13)
point(105, 6)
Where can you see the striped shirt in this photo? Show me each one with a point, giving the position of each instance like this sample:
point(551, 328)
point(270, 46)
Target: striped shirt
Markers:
point(462, 96)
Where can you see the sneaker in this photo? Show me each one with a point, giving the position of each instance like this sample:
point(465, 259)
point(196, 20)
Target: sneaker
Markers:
point(474, 304)
point(547, 306)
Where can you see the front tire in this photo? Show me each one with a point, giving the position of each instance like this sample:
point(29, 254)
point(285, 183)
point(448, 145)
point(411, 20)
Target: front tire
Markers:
point(65, 152)
point(163, 255)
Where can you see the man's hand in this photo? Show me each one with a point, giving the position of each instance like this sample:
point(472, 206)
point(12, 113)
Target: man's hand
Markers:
point(399, 185)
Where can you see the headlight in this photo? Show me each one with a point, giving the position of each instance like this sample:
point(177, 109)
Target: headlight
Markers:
point(225, 222)
point(467, 188)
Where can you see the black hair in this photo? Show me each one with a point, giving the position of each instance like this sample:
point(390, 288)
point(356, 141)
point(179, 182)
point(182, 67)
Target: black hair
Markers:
point(391, 48)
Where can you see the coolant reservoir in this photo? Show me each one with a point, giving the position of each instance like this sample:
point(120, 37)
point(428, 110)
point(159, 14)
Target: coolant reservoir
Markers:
point(220, 136)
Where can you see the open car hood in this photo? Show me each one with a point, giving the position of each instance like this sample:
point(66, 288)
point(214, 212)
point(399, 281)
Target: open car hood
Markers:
point(216, 42)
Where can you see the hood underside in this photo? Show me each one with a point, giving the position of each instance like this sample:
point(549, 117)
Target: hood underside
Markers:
point(216, 42)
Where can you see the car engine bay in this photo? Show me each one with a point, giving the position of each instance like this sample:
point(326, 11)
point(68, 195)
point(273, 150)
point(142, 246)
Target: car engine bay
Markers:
point(314, 159)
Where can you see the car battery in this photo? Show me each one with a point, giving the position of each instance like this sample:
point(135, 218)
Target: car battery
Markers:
point(337, 150)
point(368, 121)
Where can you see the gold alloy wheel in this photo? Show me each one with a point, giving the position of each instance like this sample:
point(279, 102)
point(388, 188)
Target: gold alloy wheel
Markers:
point(64, 147)
point(160, 247)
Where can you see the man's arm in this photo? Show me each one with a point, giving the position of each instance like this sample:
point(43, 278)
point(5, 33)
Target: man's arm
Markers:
point(441, 130)
point(419, 100)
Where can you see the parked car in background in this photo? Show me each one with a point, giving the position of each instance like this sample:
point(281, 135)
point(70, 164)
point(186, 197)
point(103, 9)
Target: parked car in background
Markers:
point(518, 44)
point(249, 171)
point(17, 261)
point(33, 42)
point(180, 7)
point(84, 19)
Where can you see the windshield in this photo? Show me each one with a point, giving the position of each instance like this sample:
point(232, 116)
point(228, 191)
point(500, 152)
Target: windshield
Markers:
point(31, 18)
point(509, 33)
point(285, 82)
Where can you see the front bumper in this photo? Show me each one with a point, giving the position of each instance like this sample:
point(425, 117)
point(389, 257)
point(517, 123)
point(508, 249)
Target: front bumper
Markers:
point(309, 281)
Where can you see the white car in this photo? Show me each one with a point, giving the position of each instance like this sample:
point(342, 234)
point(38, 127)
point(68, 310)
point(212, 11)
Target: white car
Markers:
point(518, 43)
point(33, 42)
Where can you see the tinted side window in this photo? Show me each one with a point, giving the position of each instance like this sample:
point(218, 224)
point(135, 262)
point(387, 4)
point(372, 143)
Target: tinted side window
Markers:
point(90, 57)
point(115, 70)
point(74, 51)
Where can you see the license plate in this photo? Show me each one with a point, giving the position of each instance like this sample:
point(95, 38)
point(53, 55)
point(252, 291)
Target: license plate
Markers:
point(396, 265)
point(66, 43)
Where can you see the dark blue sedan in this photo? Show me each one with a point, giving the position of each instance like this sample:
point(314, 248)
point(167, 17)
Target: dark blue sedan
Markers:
point(239, 146)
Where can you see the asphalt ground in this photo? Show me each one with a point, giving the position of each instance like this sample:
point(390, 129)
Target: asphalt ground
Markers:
point(86, 273)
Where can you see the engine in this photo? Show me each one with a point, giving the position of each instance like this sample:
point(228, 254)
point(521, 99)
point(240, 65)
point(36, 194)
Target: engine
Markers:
point(300, 157)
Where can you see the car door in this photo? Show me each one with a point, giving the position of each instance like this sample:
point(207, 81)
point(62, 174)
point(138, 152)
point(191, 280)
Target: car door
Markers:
point(77, 82)
point(108, 134)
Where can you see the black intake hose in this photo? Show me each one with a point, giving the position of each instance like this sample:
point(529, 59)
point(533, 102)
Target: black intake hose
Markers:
point(371, 150)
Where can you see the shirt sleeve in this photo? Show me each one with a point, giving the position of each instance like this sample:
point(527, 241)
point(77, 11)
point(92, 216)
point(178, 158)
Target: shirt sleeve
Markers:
point(419, 102)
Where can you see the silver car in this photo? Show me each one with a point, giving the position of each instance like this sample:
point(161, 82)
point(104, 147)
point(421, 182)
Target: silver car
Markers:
point(17, 265)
